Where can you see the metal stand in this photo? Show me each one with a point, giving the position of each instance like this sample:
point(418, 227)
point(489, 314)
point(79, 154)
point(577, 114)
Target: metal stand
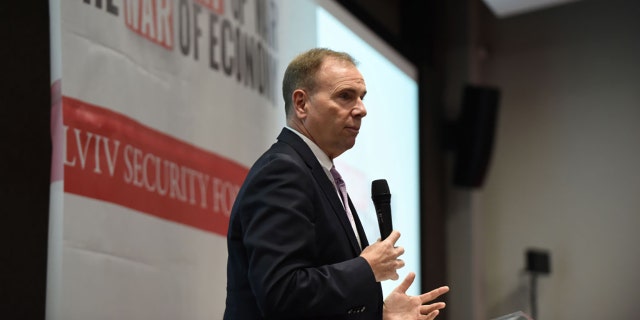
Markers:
point(533, 295)
point(538, 262)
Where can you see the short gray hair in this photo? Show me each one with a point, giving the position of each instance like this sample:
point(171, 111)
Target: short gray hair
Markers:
point(302, 70)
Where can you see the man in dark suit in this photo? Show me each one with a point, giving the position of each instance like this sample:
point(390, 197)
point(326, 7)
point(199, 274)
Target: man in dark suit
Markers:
point(297, 249)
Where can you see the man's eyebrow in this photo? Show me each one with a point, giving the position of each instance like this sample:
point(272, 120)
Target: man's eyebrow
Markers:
point(349, 89)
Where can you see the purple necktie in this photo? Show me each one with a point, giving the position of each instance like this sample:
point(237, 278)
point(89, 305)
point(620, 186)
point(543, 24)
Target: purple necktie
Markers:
point(343, 194)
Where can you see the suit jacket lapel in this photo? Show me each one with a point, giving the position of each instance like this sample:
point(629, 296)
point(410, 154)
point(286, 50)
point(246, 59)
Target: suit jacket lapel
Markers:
point(363, 235)
point(326, 185)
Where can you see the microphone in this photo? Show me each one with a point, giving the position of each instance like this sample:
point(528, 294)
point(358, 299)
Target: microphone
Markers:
point(382, 201)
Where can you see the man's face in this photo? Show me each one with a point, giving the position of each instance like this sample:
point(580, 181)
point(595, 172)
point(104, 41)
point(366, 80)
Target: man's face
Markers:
point(335, 108)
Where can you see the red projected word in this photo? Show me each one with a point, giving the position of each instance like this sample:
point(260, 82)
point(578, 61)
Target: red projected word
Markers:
point(152, 19)
point(114, 158)
point(216, 6)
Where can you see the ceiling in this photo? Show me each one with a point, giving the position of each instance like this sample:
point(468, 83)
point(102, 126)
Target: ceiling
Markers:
point(507, 8)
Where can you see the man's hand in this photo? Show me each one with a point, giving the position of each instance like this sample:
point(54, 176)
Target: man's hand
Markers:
point(398, 305)
point(382, 256)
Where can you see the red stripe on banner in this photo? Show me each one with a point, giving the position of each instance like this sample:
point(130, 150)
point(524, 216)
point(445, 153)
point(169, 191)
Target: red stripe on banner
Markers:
point(114, 158)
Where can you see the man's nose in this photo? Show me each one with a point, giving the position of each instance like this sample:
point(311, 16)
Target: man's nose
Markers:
point(360, 110)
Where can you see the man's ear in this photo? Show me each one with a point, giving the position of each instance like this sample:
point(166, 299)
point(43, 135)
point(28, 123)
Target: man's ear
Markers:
point(299, 98)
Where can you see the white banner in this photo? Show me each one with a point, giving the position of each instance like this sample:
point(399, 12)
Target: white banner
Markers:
point(159, 108)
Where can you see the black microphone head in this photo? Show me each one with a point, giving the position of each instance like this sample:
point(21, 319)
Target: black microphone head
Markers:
point(382, 201)
point(379, 188)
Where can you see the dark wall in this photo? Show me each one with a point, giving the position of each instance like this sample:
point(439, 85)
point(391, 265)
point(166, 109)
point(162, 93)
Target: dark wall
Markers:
point(26, 158)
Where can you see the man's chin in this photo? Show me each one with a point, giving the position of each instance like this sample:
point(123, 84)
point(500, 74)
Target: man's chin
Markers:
point(350, 144)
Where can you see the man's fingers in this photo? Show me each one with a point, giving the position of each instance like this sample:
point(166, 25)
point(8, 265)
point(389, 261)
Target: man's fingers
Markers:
point(432, 315)
point(426, 297)
point(399, 251)
point(427, 308)
point(406, 283)
point(393, 237)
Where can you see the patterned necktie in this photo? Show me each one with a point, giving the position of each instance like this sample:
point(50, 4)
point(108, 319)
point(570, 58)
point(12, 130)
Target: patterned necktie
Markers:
point(343, 194)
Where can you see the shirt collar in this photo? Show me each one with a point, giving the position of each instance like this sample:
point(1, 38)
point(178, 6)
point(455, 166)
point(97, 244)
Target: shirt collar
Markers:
point(322, 157)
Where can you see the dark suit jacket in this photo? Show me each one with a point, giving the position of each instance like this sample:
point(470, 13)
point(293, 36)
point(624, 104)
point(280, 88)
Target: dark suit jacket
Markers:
point(292, 251)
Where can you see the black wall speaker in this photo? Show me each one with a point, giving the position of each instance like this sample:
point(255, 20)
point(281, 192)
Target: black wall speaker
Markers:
point(474, 134)
point(538, 261)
